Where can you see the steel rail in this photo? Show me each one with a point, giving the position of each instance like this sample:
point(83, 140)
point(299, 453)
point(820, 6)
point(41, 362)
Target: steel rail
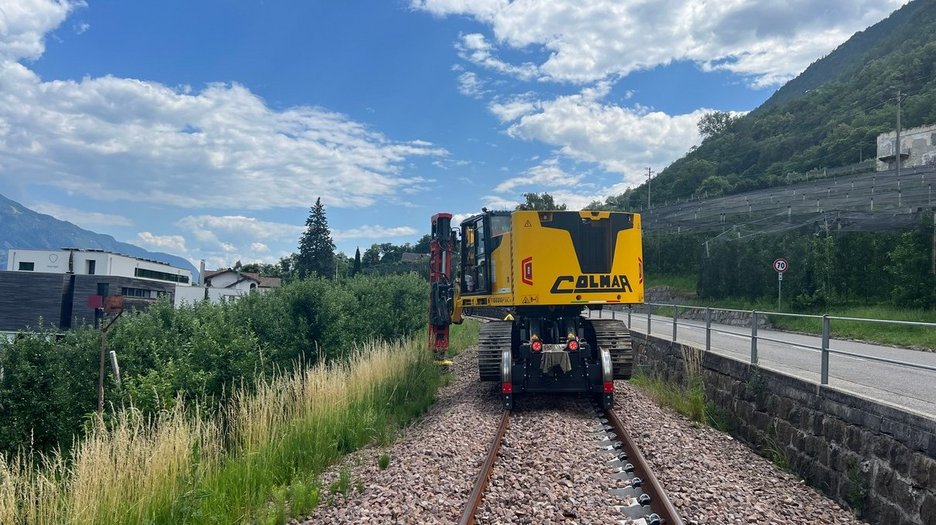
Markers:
point(477, 491)
point(659, 501)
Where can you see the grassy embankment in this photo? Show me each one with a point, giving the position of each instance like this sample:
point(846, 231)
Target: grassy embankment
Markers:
point(257, 462)
point(884, 333)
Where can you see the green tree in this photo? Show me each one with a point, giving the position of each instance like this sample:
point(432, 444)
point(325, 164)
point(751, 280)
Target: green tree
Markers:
point(371, 256)
point(536, 201)
point(356, 267)
point(909, 267)
point(422, 245)
point(316, 249)
point(715, 123)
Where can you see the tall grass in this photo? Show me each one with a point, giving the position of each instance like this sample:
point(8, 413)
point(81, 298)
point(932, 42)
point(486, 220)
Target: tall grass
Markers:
point(257, 461)
point(463, 335)
point(887, 333)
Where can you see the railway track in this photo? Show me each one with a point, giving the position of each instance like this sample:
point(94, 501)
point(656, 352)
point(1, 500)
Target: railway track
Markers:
point(641, 499)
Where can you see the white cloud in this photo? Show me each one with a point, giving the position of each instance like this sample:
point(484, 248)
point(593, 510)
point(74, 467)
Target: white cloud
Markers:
point(24, 23)
point(513, 107)
point(548, 174)
point(470, 85)
point(259, 247)
point(587, 40)
point(238, 228)
point(475, 48)
point(373, 232)
point(115, 139)
point(623, 140)
point(174, 244)
point(495, 202)
point(576, 191)
point(85, 219)
point(457, 218)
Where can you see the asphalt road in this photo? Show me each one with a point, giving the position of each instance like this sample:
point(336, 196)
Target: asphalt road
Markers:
point(798, 355)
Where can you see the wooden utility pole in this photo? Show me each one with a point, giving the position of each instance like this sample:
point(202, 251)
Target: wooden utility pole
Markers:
point(104, 329)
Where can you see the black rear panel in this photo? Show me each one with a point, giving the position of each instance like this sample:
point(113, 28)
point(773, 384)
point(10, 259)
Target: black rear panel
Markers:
point(594, 240)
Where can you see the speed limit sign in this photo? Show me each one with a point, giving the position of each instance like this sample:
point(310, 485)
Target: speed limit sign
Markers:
point(780, 265)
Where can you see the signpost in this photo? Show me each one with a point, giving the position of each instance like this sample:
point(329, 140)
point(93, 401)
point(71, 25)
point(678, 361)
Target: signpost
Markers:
point(780, 265)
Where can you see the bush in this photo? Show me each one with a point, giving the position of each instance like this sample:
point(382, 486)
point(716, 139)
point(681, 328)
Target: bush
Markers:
point(49, 384)
point(201, 352)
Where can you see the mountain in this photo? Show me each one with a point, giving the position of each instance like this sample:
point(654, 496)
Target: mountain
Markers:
point(21, 227)
point(829, 116)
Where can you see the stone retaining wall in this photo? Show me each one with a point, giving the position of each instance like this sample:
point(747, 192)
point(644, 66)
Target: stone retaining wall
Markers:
point(874, 458)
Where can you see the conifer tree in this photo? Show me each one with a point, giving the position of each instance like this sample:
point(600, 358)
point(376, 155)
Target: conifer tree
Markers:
point(356, 269)
point(316, 249)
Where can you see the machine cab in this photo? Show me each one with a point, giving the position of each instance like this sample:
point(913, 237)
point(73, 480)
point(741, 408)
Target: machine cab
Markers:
point(481, 235)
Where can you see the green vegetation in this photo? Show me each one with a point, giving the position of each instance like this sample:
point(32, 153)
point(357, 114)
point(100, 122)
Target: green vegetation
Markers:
point(687, 398)
point(316, 255)
point(463, 335)
point(680, 284)
point(886, 333)
point(384, 461)
point(201, 353)
point(688, 401)
point(826, 271)
point(256, 457)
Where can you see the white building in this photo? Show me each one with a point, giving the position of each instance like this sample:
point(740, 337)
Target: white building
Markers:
point(95, 262)
point(917, 148)
point(242, 281)
point(221, 285)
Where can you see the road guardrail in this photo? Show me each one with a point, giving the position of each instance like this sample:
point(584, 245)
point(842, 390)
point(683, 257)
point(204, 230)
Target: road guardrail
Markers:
point(823, 348)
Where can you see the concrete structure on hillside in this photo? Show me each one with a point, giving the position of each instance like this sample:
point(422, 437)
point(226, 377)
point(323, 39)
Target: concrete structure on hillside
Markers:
point(917, 148)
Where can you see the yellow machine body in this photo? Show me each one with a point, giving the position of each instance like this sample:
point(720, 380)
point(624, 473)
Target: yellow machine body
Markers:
point(550, 258)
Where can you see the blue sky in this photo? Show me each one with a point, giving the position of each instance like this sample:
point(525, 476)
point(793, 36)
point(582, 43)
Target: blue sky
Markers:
point(206, 129)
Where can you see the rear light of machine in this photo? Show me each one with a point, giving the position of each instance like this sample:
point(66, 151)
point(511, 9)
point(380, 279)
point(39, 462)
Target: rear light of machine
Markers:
point(506, 388)
point(609, 387)
point(573, 345)
point(537, 345)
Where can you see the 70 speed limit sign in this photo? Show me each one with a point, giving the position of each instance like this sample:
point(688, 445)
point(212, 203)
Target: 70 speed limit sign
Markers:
point(781, 265)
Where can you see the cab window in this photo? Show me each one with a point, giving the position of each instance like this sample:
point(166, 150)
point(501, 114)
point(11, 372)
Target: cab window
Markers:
point(475, 278)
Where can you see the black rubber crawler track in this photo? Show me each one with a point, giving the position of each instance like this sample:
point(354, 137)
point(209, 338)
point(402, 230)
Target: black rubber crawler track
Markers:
point(495, 337)
point(614, 336)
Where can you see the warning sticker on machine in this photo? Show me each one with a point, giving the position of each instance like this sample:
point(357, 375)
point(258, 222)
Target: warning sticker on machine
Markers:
point(530, 299)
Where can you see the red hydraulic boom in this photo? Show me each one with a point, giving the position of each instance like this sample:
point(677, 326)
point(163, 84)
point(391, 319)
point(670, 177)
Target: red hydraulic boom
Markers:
point(441, 283)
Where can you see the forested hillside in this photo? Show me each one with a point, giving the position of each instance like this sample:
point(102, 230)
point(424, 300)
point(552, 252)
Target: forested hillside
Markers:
point(829, 116)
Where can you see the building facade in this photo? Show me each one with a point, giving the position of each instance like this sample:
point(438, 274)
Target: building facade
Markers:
point(95, 262)
point(62, 287)
point(917, 148)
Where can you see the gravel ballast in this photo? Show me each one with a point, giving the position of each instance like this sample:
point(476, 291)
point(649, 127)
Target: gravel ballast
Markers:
point(710, 477)
point(433, 465)
point(550, 468)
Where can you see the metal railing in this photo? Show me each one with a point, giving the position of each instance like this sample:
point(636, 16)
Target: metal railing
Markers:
point(823, 348)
